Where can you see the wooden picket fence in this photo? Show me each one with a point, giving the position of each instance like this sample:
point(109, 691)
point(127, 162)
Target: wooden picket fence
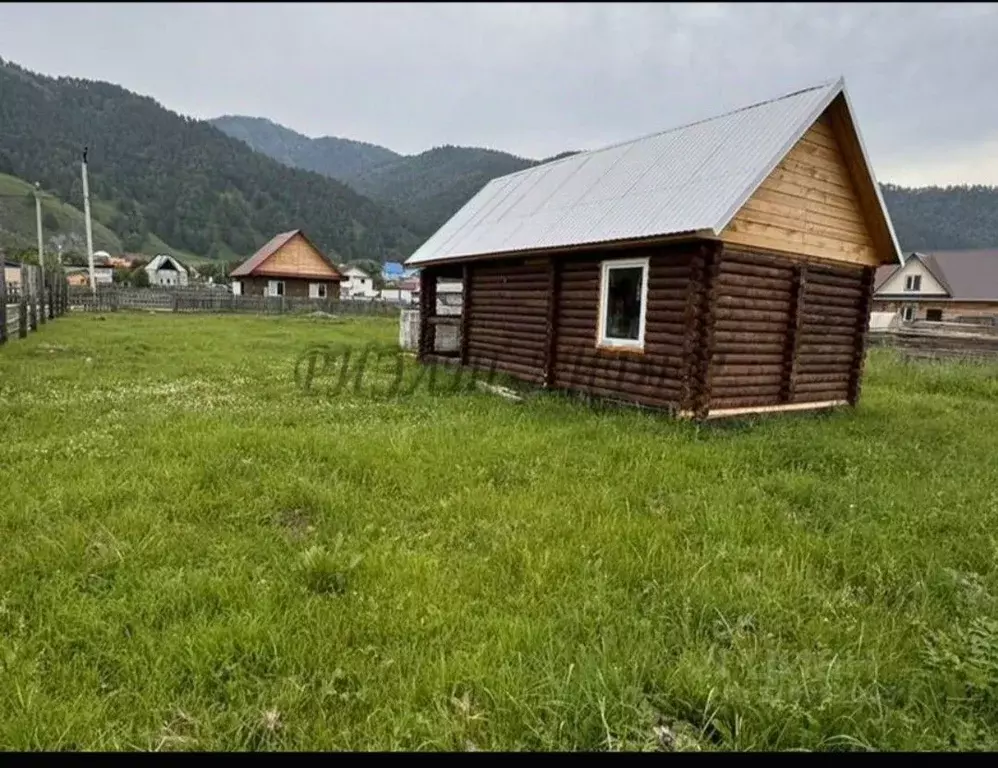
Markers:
point(33, 302)
point(111, 298)
point(924, 340)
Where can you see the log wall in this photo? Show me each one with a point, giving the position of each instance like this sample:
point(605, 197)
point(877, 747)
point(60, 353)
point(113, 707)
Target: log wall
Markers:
point(506, 317)
point(787, 331)
point(654, 377)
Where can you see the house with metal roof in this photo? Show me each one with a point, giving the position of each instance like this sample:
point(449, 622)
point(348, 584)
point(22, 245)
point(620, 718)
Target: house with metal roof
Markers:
point(289, 264)
point(940, 286)
point(718, 268)
point(166, 271)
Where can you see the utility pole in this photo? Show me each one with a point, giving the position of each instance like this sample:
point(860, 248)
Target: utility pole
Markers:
point(41, 248)
point(90, 234)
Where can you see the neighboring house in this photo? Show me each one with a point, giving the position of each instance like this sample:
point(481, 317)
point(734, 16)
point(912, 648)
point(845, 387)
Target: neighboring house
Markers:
point(166, 271)
point(103, 275)
point(12, 274)
point(719, 268)
point(288, 265)
point(938, 286)
point(392, 271)
point(120, 262)
point(102, 257)
point(357, 284)
point(406, 291)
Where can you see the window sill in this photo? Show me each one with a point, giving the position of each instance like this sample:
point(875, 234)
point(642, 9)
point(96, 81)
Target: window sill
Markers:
point(620, 349)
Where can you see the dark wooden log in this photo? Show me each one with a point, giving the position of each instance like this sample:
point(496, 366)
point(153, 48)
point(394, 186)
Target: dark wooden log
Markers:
point(427, 310)
point(713, 258)
point(726, 391)
point(732, 282)
point(793, 335)
point(735, 266)
point(531, 373)
point(751, 315)
point(862, 328)
point(847, 278)
point(748, 357)
point(466, 309)
point(551, 323)
point(531, 357)
point(508, 338)
point(730, 302)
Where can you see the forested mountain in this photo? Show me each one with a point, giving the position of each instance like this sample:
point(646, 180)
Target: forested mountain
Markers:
point(330, 156)
point(944, 218)
point(157, 175)
point(426, 188)
point(62, 223)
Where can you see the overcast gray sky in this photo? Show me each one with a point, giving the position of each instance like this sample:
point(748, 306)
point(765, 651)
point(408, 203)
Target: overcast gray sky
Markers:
point(537, 79)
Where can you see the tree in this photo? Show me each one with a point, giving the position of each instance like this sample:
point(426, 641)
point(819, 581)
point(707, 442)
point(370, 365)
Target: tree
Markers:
point(50, 221)
point(140, 278)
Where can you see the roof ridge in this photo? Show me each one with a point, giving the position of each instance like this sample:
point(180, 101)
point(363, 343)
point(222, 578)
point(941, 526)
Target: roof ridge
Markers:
point(589, 152)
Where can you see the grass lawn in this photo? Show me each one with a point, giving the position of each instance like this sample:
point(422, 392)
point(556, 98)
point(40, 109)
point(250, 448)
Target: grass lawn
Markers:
point(199, 555)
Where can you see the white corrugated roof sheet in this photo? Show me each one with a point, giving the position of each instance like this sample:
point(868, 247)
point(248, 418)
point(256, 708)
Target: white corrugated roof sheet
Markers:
point(691, 179)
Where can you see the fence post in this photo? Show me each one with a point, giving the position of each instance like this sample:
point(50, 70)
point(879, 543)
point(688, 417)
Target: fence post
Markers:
point(31, 299)
point(22, 316)
point(40, 296)
point(3, 303)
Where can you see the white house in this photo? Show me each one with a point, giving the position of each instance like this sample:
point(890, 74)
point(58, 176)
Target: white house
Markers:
point(356, 284)
point(165, 270)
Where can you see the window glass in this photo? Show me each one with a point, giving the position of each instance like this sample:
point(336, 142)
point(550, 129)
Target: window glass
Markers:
point(623, 303)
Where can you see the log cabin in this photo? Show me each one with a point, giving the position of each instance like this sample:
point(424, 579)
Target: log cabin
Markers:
point(289, 264)
point(721, 268)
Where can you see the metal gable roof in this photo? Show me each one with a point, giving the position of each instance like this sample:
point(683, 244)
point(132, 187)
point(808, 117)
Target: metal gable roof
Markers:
point(691, 179)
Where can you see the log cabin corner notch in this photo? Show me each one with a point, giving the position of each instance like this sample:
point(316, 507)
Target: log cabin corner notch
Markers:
point(720, 268)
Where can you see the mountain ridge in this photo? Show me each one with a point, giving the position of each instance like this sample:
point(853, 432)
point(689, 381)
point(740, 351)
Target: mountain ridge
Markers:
point(157, 173)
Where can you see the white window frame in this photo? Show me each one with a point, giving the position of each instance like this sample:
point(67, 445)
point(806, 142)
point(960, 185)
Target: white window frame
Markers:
point(908, 312)
point(275, 287)
point(317, 291)
point(913, 283)
point(602, 340)
point(237, 287)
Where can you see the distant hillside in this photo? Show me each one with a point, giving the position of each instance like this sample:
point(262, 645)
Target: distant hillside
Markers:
point(426, 189)
point(330, 156)
point(943, 218)
point(62, 224)
point(157, 174)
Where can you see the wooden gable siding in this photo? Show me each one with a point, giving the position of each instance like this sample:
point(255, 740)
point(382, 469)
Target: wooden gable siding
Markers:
point(787, 331)
point(809, 206)
point(297, 258)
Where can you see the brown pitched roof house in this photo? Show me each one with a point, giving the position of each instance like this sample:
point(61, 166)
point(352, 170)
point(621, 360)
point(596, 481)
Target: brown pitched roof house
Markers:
point(713, 269)
point(940, 285)
point(289, 264)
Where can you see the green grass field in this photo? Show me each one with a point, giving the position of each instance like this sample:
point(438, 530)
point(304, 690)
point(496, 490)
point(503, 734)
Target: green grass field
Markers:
point(197, 554)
